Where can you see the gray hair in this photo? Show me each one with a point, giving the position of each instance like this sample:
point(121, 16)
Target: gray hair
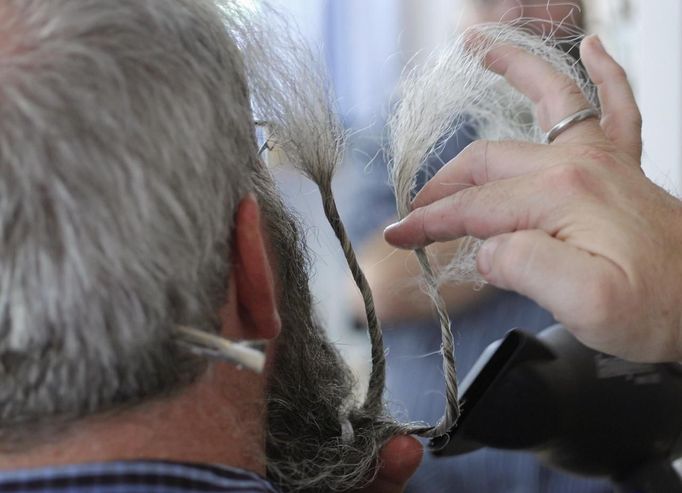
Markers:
point(123, 128)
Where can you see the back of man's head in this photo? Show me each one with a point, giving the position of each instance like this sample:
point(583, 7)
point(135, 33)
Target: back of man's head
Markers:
point(123, 128)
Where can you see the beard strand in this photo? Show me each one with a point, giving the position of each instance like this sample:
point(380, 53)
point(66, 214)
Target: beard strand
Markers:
point(310, 397)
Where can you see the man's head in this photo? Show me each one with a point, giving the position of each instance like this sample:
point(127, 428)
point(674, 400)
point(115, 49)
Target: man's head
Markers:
point(126, 144)
point(127, 150)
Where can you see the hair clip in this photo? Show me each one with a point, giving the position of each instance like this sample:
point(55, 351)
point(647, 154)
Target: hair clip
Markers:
point(267, 144)
point(243, 354)
point(265, 147)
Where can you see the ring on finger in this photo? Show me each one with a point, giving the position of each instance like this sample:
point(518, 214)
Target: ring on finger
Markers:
point(571, 120)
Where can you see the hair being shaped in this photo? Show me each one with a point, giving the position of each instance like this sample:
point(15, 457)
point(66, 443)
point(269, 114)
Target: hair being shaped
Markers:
point(125, 132)
point(452, 88)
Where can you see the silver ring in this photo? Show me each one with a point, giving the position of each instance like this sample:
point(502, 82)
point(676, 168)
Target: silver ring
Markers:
point(571, 120)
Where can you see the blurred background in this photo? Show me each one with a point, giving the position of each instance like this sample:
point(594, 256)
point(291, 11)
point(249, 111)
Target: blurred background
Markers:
point(366, 45)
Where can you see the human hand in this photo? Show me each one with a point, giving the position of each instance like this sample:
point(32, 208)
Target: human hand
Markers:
point(575, 225)
point(398, 295)
point(399, 460)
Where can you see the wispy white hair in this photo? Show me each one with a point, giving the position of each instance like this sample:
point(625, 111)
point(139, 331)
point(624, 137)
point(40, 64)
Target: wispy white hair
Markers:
point(290, 91)
point(452, 88)
point(291, 95)
point(449, 89)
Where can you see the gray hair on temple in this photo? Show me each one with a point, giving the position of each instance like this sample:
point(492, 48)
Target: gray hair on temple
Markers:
point(136, 112)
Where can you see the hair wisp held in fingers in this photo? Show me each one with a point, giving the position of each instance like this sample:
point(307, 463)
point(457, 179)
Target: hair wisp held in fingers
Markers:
point(453, 88)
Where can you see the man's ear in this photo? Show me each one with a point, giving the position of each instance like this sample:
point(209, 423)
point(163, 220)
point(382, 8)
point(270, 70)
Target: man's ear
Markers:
point(253, 275)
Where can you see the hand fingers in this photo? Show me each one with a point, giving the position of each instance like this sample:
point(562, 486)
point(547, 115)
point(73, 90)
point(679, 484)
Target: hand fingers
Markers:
point(485, 161)
point(482, 162)
point(488, 210)
point(555, 95)
point(399, 458)
point(621, 120)
point(554, 274)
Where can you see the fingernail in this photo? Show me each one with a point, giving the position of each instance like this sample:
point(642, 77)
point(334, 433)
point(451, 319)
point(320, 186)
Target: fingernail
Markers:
point(398, 241)
point(392, 227)
point(485, 256)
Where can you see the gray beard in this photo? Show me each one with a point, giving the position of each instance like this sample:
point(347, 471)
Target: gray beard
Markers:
point(311, 388)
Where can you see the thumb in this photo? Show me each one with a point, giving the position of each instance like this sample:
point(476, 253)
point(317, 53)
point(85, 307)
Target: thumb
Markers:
point(399, 459)
point(569, 282)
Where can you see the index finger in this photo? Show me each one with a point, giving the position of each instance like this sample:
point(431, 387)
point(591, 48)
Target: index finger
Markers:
point(555, 94)
point(488, 210)
point(485, 161)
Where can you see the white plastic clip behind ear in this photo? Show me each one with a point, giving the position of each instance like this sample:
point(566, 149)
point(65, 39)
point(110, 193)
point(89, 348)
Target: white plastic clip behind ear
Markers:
point(246, 354)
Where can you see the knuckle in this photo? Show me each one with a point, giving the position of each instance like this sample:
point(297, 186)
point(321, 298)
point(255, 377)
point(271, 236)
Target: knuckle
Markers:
point(626, 122)
point(586, 156)
point(595, 160)
point(512, 258)
point(597, 155)
point(568, 177)
point(476, 154)
point(566, 87)
point(618, 72)
point(423, 219)
point(480, 172)
point(475, 149)
point(435, 223)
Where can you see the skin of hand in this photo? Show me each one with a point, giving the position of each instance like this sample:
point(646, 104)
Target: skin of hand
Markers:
point(394, 276)
point(399, 459)
point(575, 224)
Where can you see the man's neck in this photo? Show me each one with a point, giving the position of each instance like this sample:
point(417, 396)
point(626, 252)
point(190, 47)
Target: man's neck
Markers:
point(217, 420)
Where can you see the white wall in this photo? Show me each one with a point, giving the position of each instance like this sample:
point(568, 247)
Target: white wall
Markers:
point(657, 66)
point(645, 37)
